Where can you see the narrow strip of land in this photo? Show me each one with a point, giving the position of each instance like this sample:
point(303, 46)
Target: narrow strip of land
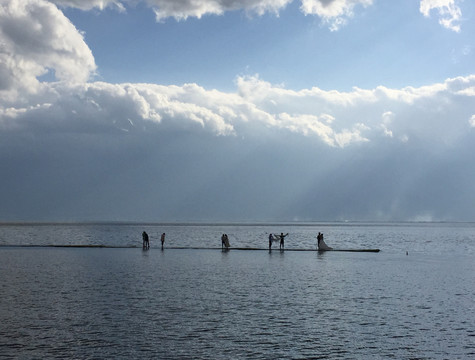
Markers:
point(179, 248)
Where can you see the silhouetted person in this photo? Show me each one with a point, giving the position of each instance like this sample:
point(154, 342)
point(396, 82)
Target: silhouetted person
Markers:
point(145, 241)
point(162, 239)
point(271, 238)
point(223, 238)
point(319, 238)
point(226, 241)
point(282, 236)
point(321, 244)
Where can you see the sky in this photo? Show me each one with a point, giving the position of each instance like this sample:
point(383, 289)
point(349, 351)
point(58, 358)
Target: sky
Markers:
point(237, 110)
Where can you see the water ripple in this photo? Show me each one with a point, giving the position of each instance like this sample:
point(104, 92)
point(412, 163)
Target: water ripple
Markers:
point(125, 303)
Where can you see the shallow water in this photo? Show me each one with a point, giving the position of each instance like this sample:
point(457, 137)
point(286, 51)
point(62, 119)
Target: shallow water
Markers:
point(201, 304)
point(427, 238)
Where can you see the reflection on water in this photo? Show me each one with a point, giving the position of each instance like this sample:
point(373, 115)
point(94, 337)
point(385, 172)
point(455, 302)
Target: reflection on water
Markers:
point(201, 304)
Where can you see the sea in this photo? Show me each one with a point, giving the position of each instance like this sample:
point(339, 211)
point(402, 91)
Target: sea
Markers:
point(89, 291)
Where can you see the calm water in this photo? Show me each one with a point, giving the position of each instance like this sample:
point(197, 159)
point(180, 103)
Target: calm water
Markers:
point(201, 304)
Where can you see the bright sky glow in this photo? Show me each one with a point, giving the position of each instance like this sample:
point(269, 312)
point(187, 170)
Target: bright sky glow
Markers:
point(244, 110)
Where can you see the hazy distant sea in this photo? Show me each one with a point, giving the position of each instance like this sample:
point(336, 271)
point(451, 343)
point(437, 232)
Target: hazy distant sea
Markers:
point(123, 302)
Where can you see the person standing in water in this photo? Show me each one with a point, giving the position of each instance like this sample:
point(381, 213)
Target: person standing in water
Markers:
point(162, 239)
point(145, 241)
point(271, 238)
point(226, 241)
point(282, 236)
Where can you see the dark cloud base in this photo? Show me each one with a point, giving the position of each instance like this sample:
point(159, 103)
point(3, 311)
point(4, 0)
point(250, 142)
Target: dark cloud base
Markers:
point(180, 177)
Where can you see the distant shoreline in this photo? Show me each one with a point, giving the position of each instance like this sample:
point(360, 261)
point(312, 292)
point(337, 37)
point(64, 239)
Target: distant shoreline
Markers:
point(224, 223)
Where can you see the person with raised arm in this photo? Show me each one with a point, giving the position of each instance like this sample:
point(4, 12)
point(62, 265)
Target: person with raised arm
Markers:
point(281, 244)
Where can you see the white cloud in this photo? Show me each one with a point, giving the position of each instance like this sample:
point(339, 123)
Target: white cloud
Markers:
point(333, 12)
point(181, 10)
point(337, 119)
point(309, 125)
point(472, 121)
point(36, 38)
point(387, 118)
point(448, 11)
point(91, 4)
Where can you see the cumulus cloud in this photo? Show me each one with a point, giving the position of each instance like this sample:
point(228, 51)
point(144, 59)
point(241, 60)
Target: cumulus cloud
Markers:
point(75, 148)
point(91, 4)
point(37, 38)
point(330, 116)
point(387, 118)
point(333, 12)
point(181, 10)
point(449, 12)
point(472, 121)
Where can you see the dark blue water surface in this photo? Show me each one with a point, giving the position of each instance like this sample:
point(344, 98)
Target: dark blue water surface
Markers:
point(202, 304)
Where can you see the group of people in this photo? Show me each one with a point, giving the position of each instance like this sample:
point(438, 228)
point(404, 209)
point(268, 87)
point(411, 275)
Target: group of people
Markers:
point(146, 240)
point(280, 238)
point(225, 240)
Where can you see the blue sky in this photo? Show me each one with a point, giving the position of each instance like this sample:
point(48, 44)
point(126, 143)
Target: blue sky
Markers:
point(299, 50)
point(257, 110)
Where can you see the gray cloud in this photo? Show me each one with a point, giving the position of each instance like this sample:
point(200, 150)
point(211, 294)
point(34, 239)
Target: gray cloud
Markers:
point(89, 150)
point(144, 151)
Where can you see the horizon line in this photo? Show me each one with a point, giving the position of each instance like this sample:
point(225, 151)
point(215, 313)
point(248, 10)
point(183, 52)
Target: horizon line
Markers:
point(227, 223)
